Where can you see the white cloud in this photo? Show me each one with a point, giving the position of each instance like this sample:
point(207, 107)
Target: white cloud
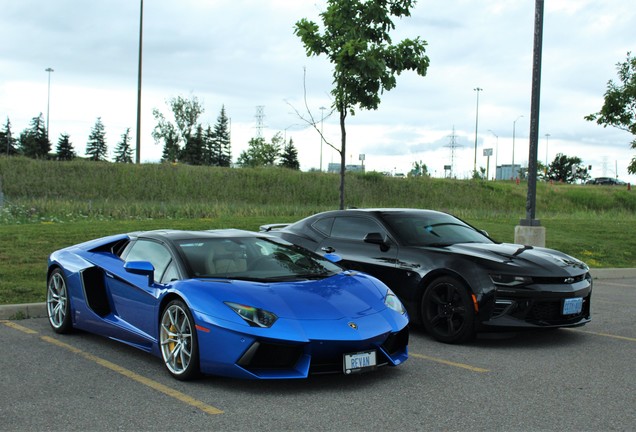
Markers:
point(240, 54)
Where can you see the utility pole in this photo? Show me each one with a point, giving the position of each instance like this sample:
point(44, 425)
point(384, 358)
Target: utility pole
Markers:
point(477, 89)
point(138, 138)
point(48, 102)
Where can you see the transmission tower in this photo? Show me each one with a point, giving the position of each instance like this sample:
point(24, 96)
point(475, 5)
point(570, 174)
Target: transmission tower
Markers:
point(452, 145)
point(260, 115)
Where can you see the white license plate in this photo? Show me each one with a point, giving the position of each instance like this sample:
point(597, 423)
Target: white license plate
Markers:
point(572, 306)
point(358, 362)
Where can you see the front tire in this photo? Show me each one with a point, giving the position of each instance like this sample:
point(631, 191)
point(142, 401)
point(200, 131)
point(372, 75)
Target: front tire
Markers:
point(178, 341)
point(448, 312)
point(58, 303)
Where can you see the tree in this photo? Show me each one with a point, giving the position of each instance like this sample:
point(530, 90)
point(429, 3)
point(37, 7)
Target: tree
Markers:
point(356, 41)
point(34, 142)
point(567, 169)
point(123, 151)
point(7, 141)
point(619, 107)
point(289, 156)
point(221, 143)
point(176, 135)
point(64, 150)
point(96, 148)
point(261, 153)
point(419, 170)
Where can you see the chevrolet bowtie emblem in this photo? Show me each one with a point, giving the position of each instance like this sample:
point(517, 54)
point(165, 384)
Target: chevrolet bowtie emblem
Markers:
point(353, 325)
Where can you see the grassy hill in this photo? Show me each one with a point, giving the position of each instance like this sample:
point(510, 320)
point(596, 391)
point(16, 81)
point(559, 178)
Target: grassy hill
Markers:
point(47, 205)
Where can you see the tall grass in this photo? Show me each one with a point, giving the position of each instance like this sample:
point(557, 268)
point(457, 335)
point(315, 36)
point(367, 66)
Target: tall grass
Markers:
point(36, 190)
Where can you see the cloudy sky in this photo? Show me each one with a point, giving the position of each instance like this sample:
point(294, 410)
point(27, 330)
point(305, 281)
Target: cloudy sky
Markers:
point(242, 54)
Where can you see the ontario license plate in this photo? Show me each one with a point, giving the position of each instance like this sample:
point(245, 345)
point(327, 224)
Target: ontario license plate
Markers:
point(359, 362)
point(572, 306)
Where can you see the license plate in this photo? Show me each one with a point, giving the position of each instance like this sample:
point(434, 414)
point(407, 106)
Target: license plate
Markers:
point(572, 306)
point(358, 362)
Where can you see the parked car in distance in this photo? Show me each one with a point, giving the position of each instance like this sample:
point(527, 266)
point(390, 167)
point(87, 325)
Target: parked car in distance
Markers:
point(453, 279)
point(227, 302)
point(606, 181)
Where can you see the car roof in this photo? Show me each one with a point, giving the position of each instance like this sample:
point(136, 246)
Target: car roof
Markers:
point(174, 235)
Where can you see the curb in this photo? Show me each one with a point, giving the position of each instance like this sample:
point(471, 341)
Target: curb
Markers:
point(38, 310)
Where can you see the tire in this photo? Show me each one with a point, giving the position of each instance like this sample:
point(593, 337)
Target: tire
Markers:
point(58, 303)
point(178, 341)
point(448, 313)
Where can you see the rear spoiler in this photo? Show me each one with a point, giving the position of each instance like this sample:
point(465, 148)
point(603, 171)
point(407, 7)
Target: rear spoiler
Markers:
point(272, 227)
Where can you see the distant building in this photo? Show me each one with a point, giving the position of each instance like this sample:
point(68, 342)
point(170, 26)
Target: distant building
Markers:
point(505, 172)
point(335, 168)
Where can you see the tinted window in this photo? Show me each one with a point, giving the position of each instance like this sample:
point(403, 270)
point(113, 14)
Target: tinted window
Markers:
point(253, 258)
point(433, 229)
point(324, 225)
point(155, 253)
point(354, 228)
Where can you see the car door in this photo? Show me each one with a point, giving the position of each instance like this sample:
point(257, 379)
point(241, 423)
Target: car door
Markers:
point(134, 298)
point(346, 236)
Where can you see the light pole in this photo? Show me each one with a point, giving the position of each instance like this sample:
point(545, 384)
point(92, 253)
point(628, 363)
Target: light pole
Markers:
point(322, 119)
point(48, 102)
point(138, 138)
point(547, 136)
point(496, 150)
point(514, 123)
point(477, 89)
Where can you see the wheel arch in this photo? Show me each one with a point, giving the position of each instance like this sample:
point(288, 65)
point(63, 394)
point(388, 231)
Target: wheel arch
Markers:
point(430, 277)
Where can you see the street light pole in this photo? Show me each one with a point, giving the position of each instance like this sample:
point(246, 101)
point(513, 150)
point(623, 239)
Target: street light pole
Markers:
point(547, 136)
point(477, 89)
point(322, 119)
point(496, 150)
point(48, 102)
point(138, 138)
point(514, 123)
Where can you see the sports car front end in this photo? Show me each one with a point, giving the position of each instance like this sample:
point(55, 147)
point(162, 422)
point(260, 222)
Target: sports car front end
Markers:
point(286, 340)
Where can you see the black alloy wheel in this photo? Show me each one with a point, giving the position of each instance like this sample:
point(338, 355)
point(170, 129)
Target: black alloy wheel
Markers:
point(448, 312)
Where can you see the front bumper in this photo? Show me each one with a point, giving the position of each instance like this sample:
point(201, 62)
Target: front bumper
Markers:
point(538, 306)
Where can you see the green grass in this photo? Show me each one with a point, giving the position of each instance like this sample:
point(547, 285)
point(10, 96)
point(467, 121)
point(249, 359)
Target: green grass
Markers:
point(49, 205)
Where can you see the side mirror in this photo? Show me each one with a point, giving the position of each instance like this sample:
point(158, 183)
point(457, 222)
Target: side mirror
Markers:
point(379, 239)
point(143, 268)
point(334, 258)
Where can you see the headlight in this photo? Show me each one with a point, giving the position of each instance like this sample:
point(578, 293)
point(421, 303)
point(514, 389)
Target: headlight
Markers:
point(392, 302)
point(510, 280)
point(253, 316)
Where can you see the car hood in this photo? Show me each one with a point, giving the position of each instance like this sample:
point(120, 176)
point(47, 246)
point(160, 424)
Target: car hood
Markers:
point(528, 260)
point(346, 295)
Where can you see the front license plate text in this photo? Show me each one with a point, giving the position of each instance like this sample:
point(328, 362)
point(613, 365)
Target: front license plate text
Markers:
point(572, 306)
point(358, 362)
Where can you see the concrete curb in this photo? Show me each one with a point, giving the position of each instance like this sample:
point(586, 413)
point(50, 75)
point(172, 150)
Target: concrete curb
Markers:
point(38, 310)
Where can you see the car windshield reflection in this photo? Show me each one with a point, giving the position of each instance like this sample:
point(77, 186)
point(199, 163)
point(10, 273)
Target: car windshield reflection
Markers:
point(253, 259)
point(437, 231)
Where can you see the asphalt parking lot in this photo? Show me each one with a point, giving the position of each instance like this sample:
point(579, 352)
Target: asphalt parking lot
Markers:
point(565, 380)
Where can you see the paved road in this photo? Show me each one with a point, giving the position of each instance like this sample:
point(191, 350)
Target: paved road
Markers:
point(565, 380)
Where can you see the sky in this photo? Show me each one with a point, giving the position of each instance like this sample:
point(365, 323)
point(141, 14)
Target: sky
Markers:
point(243, 54)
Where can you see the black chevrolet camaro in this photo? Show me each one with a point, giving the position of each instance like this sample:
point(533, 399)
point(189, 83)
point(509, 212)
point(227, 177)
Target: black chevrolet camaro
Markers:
point(453, 279)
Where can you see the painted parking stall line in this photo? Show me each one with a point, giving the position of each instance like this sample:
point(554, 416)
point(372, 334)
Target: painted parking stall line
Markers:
point(182, 397)
point(450, 363)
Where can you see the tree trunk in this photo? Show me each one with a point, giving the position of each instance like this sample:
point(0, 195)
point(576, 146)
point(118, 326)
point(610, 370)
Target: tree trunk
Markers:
point(343, 155)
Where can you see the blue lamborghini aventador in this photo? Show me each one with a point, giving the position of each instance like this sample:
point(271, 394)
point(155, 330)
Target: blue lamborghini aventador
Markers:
point(227, 302)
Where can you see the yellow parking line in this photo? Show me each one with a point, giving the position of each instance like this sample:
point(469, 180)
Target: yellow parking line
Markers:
point(631, 339)
point(120, 370)
point(15, 326)
point(450, 363)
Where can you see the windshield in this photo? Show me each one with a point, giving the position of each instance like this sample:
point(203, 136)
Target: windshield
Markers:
point(433, 229)
point(252, 258)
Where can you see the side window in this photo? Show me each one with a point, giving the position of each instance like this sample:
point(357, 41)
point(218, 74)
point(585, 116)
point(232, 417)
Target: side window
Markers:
point(354, 228)
point(323, 225)
point(155, 253)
